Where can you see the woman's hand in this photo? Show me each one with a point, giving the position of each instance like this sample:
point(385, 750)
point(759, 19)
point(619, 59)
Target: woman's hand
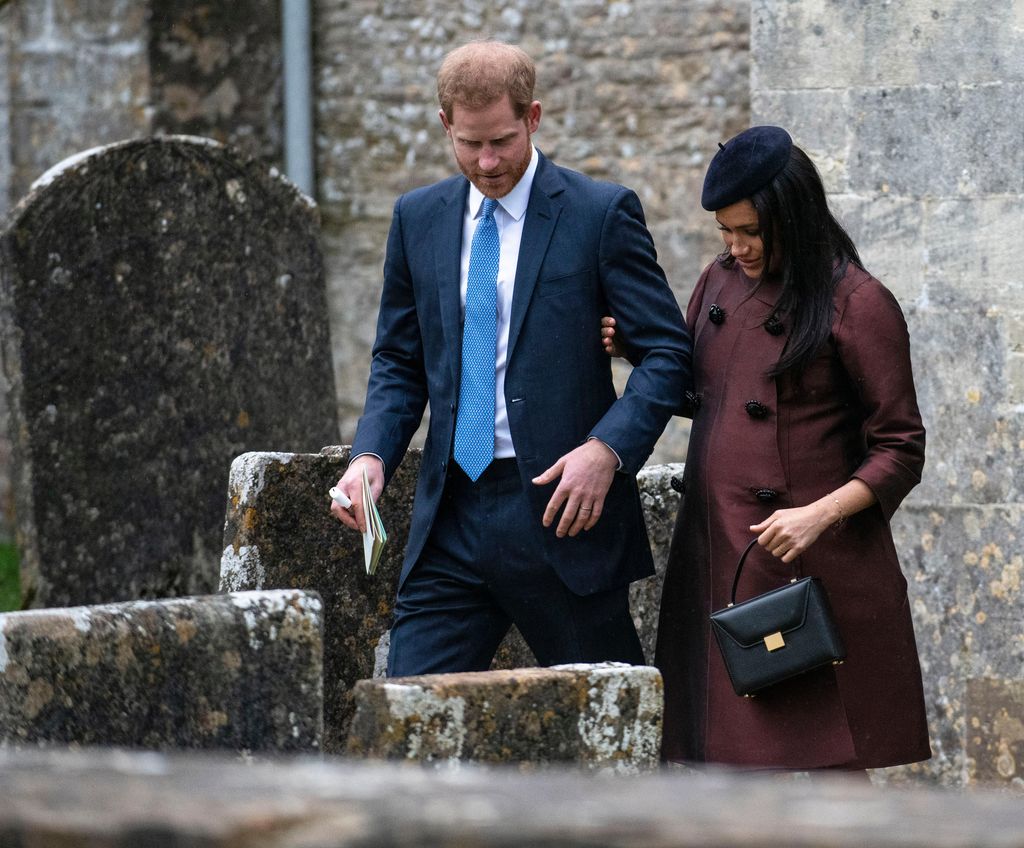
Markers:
point(611, 347)
point(787, 533)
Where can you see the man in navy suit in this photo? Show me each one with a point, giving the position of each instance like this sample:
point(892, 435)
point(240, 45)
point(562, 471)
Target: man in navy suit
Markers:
point(533, 518)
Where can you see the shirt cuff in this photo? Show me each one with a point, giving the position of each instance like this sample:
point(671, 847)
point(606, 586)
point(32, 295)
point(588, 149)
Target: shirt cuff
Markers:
point(351, 459)
point(614, 452)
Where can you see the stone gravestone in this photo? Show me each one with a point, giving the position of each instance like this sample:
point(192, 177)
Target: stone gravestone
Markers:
point(241, 671)
point(163, 310)
point(279, 533)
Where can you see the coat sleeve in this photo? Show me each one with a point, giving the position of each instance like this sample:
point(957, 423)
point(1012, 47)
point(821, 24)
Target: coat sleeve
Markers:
point(396, 394)
point(874, 345)
point(645, 309)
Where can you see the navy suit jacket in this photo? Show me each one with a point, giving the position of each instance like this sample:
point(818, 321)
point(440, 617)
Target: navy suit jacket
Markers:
point(585, 252)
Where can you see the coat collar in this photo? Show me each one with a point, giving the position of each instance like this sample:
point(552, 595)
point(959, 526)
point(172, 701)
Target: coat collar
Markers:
point(542, 213)
point(541, 216)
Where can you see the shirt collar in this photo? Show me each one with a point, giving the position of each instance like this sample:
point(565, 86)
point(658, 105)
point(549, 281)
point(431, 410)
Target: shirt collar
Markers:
point(515, 202)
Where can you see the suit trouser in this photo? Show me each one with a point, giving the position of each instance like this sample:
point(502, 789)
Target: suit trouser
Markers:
point(482, 569)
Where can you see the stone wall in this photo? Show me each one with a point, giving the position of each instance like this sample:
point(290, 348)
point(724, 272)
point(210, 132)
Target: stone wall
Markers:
point(912, 112)
point(637, 91)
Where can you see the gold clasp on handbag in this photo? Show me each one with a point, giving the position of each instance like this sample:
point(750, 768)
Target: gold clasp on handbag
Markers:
point(774, 641)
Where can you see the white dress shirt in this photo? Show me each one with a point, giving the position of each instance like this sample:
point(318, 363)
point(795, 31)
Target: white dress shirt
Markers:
point(509, 215)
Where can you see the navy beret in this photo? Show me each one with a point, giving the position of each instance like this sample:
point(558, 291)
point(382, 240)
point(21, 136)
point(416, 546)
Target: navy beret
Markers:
point(745, 164)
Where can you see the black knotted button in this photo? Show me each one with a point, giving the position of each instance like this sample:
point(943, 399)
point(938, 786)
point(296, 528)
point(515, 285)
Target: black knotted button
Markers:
point(693, 400)
point(716, 314)
point(774, 326)
point(756, 409)
point(678, 484)
point(765, 494)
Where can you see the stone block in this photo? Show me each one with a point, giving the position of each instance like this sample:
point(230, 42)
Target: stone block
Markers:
point(240, 671)
point(889, 233)
point(163, 311)
point(975, 435)
point(110, 799)
point(279, 533)
point(973, 249)
point(946, 140)
point(603, 717)
point(819, 44)
point(215, 70)
point(58, 24)
point(820, 123)
point(68, 96)
point(963, 565)
point(995, 732)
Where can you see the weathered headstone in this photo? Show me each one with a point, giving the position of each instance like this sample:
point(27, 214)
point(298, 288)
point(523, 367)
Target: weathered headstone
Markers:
point(279, 533)
point(163, 311)
point(602, 717)
point(240, 671)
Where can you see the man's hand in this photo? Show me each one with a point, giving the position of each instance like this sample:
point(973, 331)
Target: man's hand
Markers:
point(608, 340)
point(587, 474)
point(351, 483)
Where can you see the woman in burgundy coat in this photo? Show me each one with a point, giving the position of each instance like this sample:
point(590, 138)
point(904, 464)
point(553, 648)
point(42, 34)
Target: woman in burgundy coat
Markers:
point(806, 434)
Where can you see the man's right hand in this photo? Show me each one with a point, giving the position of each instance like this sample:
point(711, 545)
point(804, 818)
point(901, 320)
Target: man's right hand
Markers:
point(351, 483)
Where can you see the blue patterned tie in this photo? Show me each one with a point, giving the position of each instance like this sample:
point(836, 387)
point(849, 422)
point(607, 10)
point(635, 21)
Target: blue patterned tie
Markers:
point(474, 427)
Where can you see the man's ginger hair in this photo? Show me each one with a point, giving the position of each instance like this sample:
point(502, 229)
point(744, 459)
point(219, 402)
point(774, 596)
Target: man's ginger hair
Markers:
point(481, 73)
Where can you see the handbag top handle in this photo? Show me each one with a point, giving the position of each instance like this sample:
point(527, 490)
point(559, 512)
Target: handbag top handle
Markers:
point(739, 568)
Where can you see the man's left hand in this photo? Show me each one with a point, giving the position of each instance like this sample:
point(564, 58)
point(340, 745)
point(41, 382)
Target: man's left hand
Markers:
point(587, 473)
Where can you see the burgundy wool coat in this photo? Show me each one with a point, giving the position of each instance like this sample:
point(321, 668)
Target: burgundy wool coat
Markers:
point(853, 415)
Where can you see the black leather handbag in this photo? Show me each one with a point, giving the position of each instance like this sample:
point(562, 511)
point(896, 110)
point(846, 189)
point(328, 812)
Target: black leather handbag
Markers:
point(777, 635)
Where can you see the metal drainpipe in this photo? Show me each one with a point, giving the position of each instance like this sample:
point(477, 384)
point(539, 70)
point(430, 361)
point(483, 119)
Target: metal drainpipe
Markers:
point(296, 37)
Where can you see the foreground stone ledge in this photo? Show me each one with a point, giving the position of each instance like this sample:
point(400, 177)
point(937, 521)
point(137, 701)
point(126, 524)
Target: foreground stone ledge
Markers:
point(604, 717)
point(240, 671)
point(104, 799)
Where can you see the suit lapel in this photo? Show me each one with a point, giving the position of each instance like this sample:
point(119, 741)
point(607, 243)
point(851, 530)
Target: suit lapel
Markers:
point(541, 216)
point(447, 240)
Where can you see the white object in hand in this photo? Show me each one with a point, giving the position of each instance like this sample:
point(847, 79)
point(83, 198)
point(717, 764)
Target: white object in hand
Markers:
point(340, 498)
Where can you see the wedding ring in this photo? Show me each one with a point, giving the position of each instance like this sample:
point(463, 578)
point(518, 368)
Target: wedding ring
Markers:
point(586, 509)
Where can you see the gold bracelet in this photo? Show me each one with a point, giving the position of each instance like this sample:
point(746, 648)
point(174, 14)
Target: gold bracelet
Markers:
point(842, 515)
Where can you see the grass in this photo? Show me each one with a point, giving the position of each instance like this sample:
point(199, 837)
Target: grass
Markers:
point(10, 591)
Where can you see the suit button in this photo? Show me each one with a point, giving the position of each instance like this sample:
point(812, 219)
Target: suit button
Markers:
point(716, 314)
point(756, 409)
point(765, 495)
point(693, 400)
point(774, 326)
point(678, 484)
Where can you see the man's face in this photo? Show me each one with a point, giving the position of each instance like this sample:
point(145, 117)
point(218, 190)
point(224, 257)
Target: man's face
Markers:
point(492, 145)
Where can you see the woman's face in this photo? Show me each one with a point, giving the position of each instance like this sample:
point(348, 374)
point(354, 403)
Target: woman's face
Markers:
point(741, 233)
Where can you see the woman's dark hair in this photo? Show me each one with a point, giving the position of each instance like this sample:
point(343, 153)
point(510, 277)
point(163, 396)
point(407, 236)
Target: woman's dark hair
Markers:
point(814, 252)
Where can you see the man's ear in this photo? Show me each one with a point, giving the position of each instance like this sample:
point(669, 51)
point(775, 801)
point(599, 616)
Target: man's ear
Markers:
point(444, 121)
